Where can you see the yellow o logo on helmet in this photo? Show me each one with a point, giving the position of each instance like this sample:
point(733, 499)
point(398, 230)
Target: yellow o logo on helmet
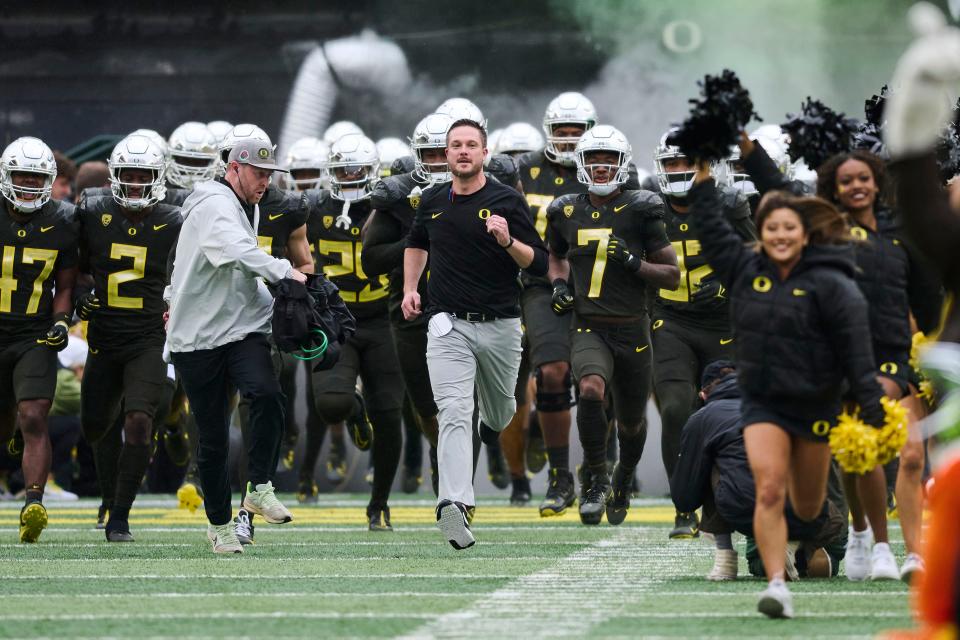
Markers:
point(821, 427)
point(762, 284)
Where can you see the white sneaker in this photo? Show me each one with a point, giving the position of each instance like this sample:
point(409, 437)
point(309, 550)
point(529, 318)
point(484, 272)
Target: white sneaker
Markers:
point(55, 493)
point(856, 562)
point(224, 538)
point(724, 566)
point(452, 521)
point(776, 601)
point(912, 567)
point(884, 564)
point(790, 562)
point(262, 501)
point(244, 527)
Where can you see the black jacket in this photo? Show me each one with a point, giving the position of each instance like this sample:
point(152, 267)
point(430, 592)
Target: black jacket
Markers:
point(797, 339)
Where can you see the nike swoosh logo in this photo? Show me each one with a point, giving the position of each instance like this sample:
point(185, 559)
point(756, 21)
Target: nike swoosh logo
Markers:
point(45, 229)
point(726, 340)
point(273, 217)
point(643, 348)
point(157, 227)
point(799, 292)
point(617, 209)
point(434, 216)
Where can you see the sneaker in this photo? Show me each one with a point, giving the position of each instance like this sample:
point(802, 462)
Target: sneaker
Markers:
point(336, 462)
point(776, 601)
point(497, 468)
point(33, 520)
point(912, 567)
point(119, 531)
point(521, 493)
point(724, 566)
point(243, 527)
point(177, 444)
point(883, 564)
point(263, 502)
point(189, 496)
point(619, 501)
point(856, 560)
point(410, 480)
point(102, 516)
point(594, 501)
point(361, 431)
point(452, 521)
point(561, 494)
point(536, 452)
point(685, 526)
point(53, 492)
point(790, 561)
point(224, 538)
point(379, 519)
point(307, 491)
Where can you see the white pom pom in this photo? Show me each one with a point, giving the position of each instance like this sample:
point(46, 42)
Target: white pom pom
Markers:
point(925, 19)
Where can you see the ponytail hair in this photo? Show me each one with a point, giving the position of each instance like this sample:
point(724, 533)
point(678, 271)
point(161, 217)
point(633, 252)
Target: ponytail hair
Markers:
point(820, 219)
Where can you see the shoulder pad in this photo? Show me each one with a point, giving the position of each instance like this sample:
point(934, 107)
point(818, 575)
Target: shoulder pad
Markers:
point(403, 164)
point(633, 182)
point(562, 201)
point(504, 169)
point(92, 199)
point(167, 212)
point(530, 159)
point(95, 191)
point(282, 200)
point(388, 191)
point(63, 209)
point(647, 201)
point(316, 197)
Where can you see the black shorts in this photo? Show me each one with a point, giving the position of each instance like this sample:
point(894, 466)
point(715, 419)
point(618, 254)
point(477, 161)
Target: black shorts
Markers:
point(894, 363)
point(369, 354)
point(137, 376)
point(411, 347)
point(681, 349)
point(620, 354)
point(547, 333)
point(815, 429)
point(28, 371)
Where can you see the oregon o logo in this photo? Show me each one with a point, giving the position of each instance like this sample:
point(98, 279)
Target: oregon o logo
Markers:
point(859, 233)
point(131, 231)
point(558, 181)
point(595, 215)
point(21, 233)
point(684, 227)
point(355, 231)
point(762, 284)
point(484, 214)
point(889, 367)
point(821, 427)
point(657, 324)
point(682, 36)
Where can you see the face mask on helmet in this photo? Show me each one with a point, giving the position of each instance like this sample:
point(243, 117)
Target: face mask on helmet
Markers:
point(603, 157)
point(27, 172)
point(193, 155)
point(137, 172)
point(353, 166)
point(428, 143)
point(306, 161)
point(567, 118)
point(675, 172)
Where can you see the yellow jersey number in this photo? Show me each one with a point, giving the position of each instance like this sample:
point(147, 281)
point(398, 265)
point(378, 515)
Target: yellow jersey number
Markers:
point(114, 280)
point(8, 284)
point(538, 206)
point(601, 237)
point(349, 263)
point(689, 280)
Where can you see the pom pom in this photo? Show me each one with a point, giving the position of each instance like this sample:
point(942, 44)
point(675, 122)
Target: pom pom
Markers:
point(716, 118)
point(817, 133)
point(948, 150)
point(893, 435)
point(918, 343)
point(853, 444)
point(869, 135)
point(927, 393)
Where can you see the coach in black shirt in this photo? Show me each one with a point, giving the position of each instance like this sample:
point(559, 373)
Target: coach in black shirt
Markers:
point(477, 234)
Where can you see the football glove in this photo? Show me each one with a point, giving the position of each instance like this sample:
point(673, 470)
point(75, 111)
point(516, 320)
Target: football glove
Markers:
point(562, 298)
point(707, 291)
point(617, 251)
point(57, 336)
point(87, 305)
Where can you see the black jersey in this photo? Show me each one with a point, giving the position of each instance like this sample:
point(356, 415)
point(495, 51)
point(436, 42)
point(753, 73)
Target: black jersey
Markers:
point(694, 269)
point(543, 181)
point(281, 213)
point(174, 196)
point(337, 251)
point(128, 261)
point(31, 254)
point(579, 232)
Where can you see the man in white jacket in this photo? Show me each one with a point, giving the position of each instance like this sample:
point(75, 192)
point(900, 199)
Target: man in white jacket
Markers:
point(217, 336)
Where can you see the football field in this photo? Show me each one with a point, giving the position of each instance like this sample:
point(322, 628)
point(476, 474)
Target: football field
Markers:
point(325, 575)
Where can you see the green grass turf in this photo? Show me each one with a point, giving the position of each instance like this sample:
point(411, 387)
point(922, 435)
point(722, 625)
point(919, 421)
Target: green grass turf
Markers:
point(324, 575)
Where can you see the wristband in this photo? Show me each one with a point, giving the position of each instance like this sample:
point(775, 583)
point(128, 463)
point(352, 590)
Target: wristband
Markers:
point(509, 244)
point(64, 316)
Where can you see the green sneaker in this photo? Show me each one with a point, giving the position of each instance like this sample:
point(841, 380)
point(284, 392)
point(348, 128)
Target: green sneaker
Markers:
point(224, 538)
point(263, 502)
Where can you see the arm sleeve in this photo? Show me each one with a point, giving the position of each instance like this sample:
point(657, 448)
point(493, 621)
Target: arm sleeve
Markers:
point(654, 234)
point(522, 229)
point(223, 242)
point(691, 472)
point(556, 241)
point(766, 176)
point(383, 245)
point(724, 249)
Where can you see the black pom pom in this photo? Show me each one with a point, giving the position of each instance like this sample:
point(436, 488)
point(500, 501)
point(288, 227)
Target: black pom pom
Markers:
point(818, 132)
point(716, 118)
point(874, 106)
point(948, 154)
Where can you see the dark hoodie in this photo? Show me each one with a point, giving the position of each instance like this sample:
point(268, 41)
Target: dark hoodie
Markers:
point(797, 339)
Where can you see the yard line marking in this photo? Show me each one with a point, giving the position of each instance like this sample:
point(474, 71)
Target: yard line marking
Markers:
point(573, 527)
point(233, 615)
point(285, 576)
point(261, 559)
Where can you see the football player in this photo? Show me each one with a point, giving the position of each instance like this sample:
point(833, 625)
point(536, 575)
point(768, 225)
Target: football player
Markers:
point(125, 243)
point(38, 267)
point(519, 138)
point(614, 245)
point(307, 162)
point(193, 155)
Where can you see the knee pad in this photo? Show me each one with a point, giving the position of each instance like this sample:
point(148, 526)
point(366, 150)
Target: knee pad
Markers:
point(559, 401)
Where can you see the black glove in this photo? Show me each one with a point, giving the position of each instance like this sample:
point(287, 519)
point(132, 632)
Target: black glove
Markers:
point(873, 415)
point(56, 336)
point(87, 305)
point(707, 291)
point(562, 297)
point(617, 251)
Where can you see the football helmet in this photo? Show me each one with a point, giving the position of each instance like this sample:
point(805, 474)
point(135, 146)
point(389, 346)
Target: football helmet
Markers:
point(353, 166)
point(339, 129)
point(137, 152)
point(569, 108)
point(390, 150)
point(672, 183)
point(519, 137)
point(462, 109)
point(193, 155)
point(27, 155)
point(306, 154)
point(239, 132)
point(219, 129)
point(603, 137)
point(431, 133)
point(153, 135)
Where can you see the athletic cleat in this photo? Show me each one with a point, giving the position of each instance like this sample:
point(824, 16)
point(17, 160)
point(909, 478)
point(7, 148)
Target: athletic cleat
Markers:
point(561, 494)
point(685, 526)
point(410, 480)
point(724, 566)
point(33, 520)
point(471, 512)
point(912, 568)
point(243, 527)
point(307, 491)
point(336, 462)
point(819, 564)
point(497, 468)
point(856, 561)
point(594, 501)
point(119, 531)
point(619, 502)
point(883, 566)
point(102, 516)
point(288, 455)
point(520, 494)
point(224, 538)
point(776, 601)
point(263, 501)
point(452, 521)
point(361, 431)
point(379, 519)
point(189, 496)
point(177, 444)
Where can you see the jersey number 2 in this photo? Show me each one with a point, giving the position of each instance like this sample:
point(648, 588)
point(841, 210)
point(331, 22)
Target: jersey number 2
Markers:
point(114, 280)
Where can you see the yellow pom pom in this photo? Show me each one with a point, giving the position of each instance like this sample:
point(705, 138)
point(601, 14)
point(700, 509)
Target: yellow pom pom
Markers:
point(917, 344)
point(927, 392)
point(893, 435)
point(854, 444)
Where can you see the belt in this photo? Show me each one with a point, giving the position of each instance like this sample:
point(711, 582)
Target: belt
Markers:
point(474, 316)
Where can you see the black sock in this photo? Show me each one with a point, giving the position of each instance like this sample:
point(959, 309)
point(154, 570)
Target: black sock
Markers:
point(106, 456)
point(592, 425)
point(559, 457)
point(33, 493)
point(133, 463)
point(489, 437)
point(631, 447)
point(385, 455)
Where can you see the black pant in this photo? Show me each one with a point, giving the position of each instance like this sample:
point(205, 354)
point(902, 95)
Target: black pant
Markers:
point(209, 377)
